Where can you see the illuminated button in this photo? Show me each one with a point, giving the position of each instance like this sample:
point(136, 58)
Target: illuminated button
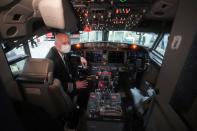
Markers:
point(78, 46)
point(134, 46)
point(86, 14)
point(127, 11)
point(117, 11)
point(123, 1)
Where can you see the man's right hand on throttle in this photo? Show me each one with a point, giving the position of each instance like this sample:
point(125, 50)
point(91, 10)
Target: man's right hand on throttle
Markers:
point(81, 84)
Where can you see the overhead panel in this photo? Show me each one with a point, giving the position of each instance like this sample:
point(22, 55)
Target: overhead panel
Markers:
point(110, 14)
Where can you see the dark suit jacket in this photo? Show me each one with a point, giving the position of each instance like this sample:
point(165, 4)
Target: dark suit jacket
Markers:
point(60, 71)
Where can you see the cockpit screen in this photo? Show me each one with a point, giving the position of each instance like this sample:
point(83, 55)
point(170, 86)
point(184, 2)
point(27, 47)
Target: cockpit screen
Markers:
point(116, 57)
point(94, 56)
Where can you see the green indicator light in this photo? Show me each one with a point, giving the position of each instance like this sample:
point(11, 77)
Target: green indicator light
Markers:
point(123, 1)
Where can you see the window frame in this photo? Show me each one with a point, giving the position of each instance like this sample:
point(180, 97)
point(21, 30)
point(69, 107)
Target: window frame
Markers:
point(15, 61)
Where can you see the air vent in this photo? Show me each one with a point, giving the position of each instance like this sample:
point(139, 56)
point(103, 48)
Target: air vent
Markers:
point(11, 31)
point(17, 17)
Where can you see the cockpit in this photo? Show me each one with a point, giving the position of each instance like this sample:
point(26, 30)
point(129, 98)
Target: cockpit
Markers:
point(117, 66)
point(136, 64)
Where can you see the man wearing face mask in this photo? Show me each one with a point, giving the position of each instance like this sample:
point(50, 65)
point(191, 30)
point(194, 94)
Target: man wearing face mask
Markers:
point(62, 67)
point(63, 70)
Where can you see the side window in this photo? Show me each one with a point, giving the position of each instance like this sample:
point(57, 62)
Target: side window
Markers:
point(16, 68)
point(161, 48)
point(159, 52)
point(15, 53)
point(40, 46)
point(16, 59)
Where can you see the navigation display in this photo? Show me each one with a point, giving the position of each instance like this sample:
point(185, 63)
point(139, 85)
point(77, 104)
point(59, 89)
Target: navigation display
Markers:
point(116, 57)
point(94, 56)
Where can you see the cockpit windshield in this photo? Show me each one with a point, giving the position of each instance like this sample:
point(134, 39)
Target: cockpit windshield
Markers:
point(130, 37)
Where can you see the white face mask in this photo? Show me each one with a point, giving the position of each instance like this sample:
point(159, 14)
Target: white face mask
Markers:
point(65, 48)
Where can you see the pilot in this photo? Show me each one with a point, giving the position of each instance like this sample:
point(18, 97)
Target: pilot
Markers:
point(63, 70)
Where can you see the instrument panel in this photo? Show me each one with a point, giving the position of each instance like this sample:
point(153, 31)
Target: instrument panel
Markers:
point(108, 60)
point(111, 53)
point(111, 65)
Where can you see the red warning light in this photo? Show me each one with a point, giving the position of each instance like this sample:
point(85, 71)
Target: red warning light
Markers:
point(86, 14)
point(117, 11)
point(87, 28)
point(127, 11)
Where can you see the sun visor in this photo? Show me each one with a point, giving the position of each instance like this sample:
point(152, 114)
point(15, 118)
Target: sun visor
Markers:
point(58, 14)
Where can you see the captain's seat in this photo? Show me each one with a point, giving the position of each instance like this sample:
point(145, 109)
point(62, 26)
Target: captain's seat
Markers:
point(41, 89)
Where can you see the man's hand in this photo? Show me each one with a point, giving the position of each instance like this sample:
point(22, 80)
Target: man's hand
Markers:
point(83, 62)
point(81, 84)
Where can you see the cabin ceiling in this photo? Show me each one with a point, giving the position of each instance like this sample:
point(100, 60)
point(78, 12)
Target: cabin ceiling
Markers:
point(22, 18)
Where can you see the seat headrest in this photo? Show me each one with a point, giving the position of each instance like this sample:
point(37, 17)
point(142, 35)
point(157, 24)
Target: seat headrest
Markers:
point(37, 70)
